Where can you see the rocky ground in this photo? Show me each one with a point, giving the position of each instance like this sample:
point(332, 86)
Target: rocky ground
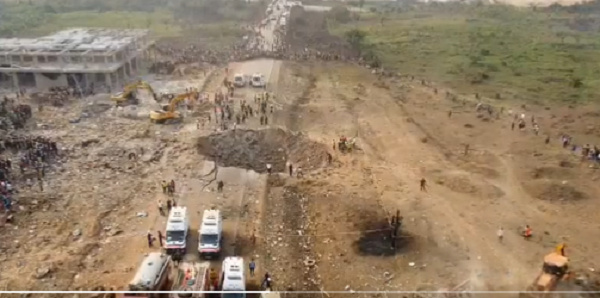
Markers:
point(323, 232)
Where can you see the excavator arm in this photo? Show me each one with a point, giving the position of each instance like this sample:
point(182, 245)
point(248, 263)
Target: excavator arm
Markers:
point(173, 104)
point(170, 113)
point(124, 96)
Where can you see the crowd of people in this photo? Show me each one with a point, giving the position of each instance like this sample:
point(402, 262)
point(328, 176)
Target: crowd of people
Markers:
point(13, 115)
point(34, 153)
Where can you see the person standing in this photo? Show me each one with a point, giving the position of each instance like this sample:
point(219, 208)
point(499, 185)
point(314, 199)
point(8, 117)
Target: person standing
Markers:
point(150, 238)
point(291, 169)
point(172, 186)
point(252, 266)
point(500, 234)
point(160, 238)
point(164, 186)
point(161, 210)
point(423, 184)
point(269, 169)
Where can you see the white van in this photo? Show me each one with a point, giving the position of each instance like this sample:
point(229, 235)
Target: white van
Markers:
point(209, 238)
point(239, 80)
point(178, 226)
point(232, 277)
point(258, 80)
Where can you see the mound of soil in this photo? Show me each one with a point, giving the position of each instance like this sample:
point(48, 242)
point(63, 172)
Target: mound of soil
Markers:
point(549, 190)
point(551, 173)
point(254, 149)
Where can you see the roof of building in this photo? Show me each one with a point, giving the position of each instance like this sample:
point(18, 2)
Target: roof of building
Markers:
point(76, 40)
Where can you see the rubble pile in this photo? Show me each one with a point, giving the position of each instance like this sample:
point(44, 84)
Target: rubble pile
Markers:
point(254, 149)
point(290, 236)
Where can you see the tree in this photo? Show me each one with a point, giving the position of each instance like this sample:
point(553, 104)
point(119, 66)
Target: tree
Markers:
point(356, 38)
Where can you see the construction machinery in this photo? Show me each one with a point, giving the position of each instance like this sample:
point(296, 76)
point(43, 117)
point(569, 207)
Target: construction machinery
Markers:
point(554, 270)
point(169, 113)
point(129, 94)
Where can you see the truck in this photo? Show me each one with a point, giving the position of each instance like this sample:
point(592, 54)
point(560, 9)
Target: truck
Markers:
point(232, 277)
point(191, 277)
point(152, 275)
point(210, 234)
point(178, 226)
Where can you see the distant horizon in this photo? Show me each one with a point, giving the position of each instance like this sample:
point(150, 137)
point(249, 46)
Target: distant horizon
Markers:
point(520, 3)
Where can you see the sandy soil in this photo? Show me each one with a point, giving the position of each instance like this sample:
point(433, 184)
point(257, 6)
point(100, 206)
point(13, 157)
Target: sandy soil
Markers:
point(322, 232)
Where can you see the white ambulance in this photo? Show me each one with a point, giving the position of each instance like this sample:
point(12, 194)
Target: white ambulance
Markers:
point(210, 234)
point(178, 226)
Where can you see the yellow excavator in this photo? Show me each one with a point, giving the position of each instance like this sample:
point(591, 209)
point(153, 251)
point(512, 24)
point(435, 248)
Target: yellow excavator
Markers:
point(169, 114)
point(554, 270)
point(128, 96)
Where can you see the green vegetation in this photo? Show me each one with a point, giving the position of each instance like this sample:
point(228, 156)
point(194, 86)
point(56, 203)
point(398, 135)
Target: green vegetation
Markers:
point(212, 22)
point(536, 54)
point(159, 22)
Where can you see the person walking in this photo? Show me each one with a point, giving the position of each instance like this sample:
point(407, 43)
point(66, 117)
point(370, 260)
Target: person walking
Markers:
point(423, 184)
point(269, 168)
point(291, 169)
point(161, 210)
point(150, 238)
point(252, 266)
point(500, 234)
point(160, 238)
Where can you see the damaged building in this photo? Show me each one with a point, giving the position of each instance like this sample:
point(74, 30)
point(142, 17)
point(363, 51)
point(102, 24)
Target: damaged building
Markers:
point(79, 58)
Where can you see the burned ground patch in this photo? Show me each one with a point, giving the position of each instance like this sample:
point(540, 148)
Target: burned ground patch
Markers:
point(254, 149)
point(376, 239)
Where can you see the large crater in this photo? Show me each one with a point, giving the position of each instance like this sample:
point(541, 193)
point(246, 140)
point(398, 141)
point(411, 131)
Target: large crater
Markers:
point(254, 149)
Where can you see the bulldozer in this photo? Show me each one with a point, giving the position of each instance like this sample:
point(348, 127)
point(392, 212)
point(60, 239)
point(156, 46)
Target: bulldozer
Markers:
point(554, 270)
point(169, 114)
point(128, 96)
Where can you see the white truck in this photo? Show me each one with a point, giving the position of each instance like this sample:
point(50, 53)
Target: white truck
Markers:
point(258, 80)
point(178, 226)
point(232, 277)
point(210, 234)
point(239, 80)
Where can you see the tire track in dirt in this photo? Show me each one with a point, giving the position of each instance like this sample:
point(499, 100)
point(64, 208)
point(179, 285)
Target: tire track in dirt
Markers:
point(450, 203)
point(285, 214)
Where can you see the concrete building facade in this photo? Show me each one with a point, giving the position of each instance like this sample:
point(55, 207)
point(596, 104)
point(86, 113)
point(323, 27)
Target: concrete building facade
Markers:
point(79, 58)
